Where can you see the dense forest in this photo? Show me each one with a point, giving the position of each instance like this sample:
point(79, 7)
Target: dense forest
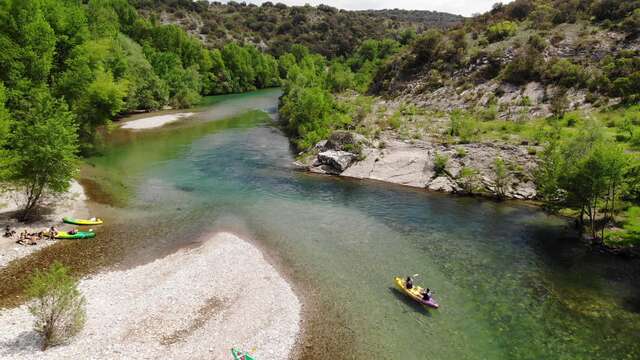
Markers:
point(276, 27)
point(69, 67)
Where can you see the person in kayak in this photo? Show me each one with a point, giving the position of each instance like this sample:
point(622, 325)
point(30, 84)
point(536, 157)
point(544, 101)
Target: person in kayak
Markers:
point(409, 283)
point(426, 294)
point(72, 232)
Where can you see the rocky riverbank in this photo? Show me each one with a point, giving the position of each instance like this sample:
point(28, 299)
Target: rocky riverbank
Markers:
point(463, 168)
point(73, 203)
point(193, 304)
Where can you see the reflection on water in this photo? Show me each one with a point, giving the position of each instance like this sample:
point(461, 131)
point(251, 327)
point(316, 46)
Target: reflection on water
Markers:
point(513, 283)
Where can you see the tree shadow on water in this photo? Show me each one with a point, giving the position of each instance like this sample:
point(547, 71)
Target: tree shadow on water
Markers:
point(409, 304)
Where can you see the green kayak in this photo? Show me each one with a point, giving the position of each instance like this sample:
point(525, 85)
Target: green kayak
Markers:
point(77, 235)
point(240, 355)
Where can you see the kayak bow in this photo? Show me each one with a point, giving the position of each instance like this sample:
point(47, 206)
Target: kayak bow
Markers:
point(239, 355)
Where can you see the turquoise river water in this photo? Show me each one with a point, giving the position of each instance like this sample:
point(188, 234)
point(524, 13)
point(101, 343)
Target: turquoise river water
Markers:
point(513, 282)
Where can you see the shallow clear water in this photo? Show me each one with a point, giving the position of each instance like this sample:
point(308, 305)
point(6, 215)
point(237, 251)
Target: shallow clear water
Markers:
point(513, 282)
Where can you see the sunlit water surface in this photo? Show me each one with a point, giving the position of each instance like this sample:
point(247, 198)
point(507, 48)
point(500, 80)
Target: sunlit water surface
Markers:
point(513, 282)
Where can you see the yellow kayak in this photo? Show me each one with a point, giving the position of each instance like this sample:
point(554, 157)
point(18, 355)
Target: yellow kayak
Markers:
point(70, 220)
point(415, 293)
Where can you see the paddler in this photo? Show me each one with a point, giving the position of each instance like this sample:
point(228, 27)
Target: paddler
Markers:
point(408, 283)
point(426, 294)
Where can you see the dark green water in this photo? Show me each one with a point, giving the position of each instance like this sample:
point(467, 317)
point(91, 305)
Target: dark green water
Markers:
point(513, 282)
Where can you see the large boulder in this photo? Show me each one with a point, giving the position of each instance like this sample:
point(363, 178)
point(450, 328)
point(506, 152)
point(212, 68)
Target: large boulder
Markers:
point(336, 159)
point(442, 183)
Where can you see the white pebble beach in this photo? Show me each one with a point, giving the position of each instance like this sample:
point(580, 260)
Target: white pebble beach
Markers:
point(154, 121)
point(193, 304)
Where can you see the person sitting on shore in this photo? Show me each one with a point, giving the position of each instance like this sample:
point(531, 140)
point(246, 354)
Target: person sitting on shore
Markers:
point(52, 232)
point(409, 283)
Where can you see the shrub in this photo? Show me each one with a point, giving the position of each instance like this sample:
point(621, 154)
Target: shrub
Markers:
point(461, 152)
point(468, 179)
point(524, 67)
point(571, 120)
point(488, 113)
point(567, 74)
point(500, 178)
point(559, 103)
point(537, 42)
point(500, 31)
point(58, 306)
point(464, 126)
point(635, 139)
point(440, 164)
point(395, 120)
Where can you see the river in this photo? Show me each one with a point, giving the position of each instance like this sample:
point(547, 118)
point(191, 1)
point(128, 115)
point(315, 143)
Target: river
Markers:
point(513, 282)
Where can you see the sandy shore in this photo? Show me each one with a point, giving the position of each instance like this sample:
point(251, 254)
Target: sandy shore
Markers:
point(73, 203)
point(154, 121)
point(194, 304)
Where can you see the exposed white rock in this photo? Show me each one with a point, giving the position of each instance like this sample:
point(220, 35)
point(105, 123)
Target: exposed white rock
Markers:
point(338, 160)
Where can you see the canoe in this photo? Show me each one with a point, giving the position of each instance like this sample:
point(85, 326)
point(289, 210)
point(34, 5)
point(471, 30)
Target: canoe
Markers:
point(70, 220)
point(240, 355)
point(78, 235)
point(415, 293)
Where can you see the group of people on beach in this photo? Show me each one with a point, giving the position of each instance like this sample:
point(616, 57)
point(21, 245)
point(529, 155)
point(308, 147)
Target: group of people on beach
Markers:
point(30, 238)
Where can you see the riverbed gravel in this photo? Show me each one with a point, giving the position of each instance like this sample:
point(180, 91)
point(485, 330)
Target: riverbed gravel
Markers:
point(194, 304)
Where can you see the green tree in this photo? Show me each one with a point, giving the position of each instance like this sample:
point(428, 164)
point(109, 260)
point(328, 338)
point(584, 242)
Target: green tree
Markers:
point(42, 155)
point(103, 99)
point(58, 305)
point(586, 173)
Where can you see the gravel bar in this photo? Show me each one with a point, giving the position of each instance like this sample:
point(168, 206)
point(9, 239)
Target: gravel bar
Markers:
point(193, 304)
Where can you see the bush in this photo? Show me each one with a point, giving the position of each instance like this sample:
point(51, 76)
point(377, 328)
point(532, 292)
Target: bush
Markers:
point(559, 103)
point(461, 152)
point(500, 178)
point(500, 31)
point(468, 179)
point(440, 164)
point(525, 66)
point(567, 74)
point(58, 306)
point(464, 126)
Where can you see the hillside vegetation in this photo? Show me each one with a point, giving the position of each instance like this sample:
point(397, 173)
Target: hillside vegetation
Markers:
point(534, 99)
point(276, 27)
point(69, 67)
